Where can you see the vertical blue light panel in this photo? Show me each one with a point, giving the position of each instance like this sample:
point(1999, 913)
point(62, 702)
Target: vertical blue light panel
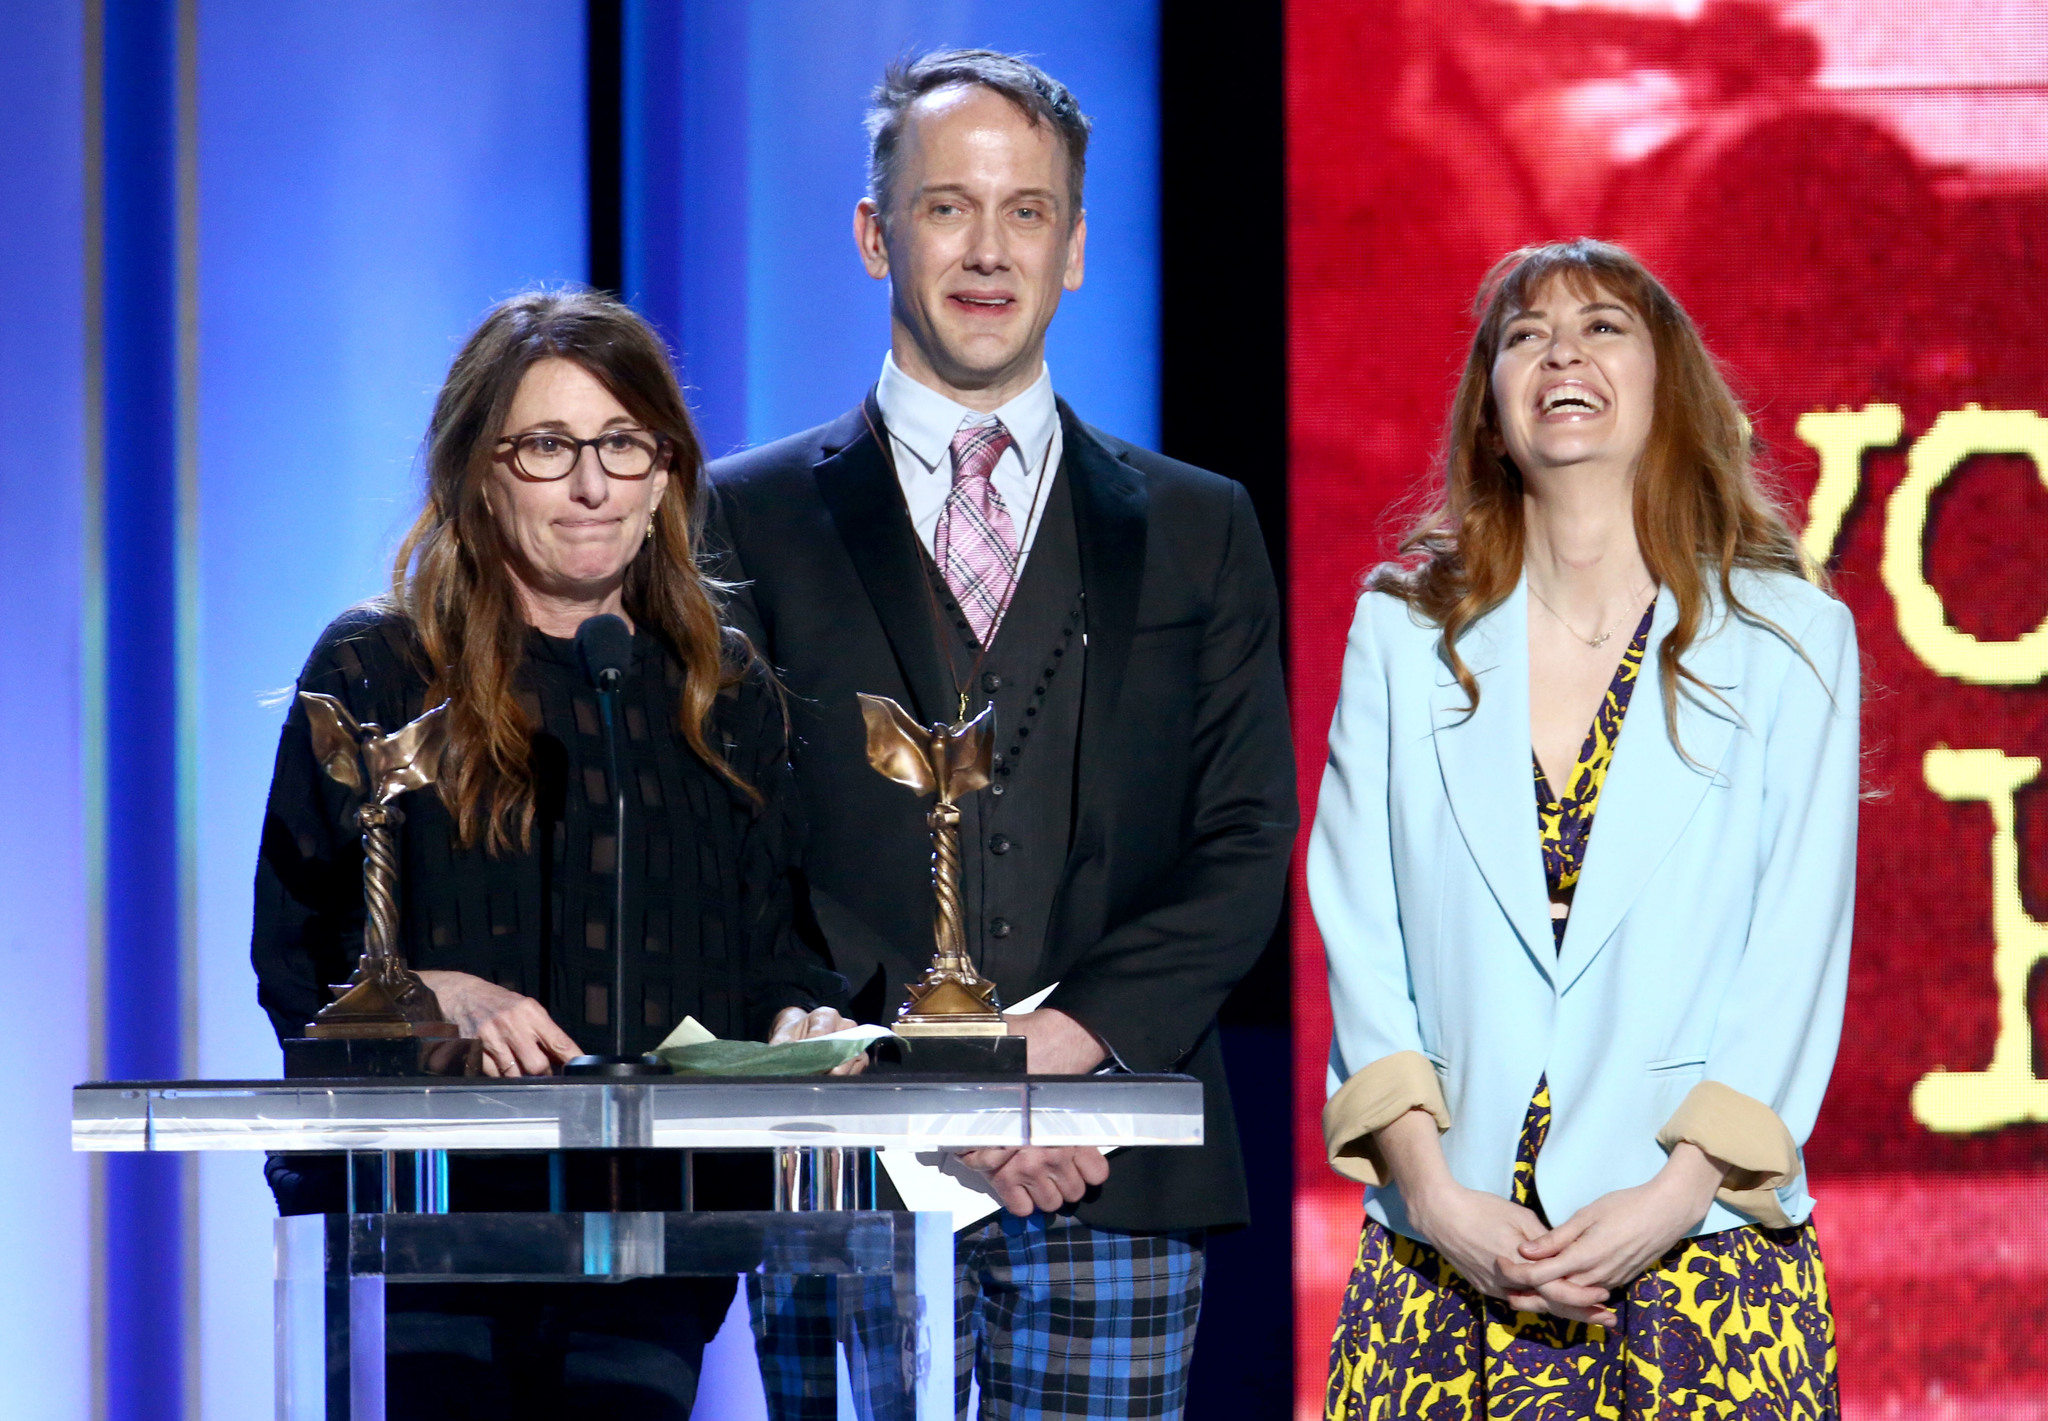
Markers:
point(373, 176)
point(144, 1208)
point(782, 329)
point(717, 217)
point(652, 109)
point(46, 1361)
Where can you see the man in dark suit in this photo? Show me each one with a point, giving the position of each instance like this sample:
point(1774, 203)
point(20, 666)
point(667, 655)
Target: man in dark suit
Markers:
point(962, 539)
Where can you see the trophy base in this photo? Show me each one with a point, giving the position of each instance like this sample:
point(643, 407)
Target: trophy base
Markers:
point(934, 1027)
point(343, 1029)
point(356, 1056)
point(951, 1055)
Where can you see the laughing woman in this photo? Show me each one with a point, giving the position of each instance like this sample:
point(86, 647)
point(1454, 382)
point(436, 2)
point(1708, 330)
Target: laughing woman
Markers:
point(1576, 1069)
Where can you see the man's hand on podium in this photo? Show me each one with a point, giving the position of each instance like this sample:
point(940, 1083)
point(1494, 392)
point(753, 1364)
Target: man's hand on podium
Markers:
point(518, 1035)
point(796, 1024)
point(1055, 1044)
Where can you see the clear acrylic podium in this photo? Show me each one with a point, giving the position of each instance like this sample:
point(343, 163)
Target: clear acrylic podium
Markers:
point(332, 1270)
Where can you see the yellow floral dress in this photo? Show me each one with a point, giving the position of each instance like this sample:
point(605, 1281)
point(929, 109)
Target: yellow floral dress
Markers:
point(1732, 1325)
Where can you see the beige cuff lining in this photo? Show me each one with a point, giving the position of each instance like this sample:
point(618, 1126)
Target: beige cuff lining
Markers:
point(1372, 1099)
point(1746, 1135)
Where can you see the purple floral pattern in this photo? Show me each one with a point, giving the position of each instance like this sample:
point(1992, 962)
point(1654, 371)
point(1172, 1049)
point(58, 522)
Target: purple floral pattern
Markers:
point(1730, 1326)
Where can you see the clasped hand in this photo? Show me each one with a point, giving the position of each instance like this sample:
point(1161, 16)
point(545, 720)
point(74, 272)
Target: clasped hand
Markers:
point(1031, 1179)
point(1571, 1270)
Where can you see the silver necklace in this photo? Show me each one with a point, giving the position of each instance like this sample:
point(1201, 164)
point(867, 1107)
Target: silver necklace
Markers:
point(1596, 642)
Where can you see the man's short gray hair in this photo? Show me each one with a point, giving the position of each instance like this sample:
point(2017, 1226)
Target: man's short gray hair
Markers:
point(1041, 98)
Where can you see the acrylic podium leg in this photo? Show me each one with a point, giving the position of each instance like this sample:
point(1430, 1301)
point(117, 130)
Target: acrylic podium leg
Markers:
point(932, 1309)
point(895, 1332)
point(330, 1317)
point(824, 1177)
point(886, 1290)
point(330, 1325)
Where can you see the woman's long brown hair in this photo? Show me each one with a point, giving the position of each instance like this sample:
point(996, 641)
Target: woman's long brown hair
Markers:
point(453, 577)
point(1701, 510)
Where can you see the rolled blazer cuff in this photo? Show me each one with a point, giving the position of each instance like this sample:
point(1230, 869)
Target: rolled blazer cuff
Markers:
point(1372, 1099)
point(1749, 1137)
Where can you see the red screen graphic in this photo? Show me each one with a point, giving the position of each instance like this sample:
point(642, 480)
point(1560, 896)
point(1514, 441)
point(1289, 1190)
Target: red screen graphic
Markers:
point(1852, 200)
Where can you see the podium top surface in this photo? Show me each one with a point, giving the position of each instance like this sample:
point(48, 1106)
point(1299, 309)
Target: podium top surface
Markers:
point(687, 1112)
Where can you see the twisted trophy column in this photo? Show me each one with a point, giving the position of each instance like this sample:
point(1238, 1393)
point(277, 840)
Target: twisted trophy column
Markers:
point(948, 928)
point(380, 880)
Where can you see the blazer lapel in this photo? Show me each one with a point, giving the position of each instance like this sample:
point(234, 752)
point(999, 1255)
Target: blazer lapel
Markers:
point(1486, 763)
point(1110, 508)
point(1651, 792)
point(859, 487)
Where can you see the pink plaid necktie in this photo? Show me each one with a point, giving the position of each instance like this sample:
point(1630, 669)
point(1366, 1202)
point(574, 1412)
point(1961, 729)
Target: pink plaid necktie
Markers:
point(976, 544)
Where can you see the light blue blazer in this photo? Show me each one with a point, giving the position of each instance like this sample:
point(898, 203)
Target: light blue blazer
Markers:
point(1709, 933)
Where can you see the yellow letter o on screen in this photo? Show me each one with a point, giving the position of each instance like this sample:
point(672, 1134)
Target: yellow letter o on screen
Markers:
point(1923, 622)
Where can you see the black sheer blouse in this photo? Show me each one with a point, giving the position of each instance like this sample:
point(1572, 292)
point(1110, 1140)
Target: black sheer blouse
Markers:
point(712, 896)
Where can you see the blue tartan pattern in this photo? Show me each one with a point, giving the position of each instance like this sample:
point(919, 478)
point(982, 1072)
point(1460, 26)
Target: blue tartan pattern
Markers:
point(1057, 1319)
point(795, 1320)
point(1053, 1319)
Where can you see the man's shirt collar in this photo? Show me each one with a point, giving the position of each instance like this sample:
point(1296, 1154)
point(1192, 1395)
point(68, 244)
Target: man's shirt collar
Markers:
point(924, 421)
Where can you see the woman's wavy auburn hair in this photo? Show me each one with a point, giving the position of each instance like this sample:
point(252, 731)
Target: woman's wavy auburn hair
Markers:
point(453, 574)
point(1701, 510)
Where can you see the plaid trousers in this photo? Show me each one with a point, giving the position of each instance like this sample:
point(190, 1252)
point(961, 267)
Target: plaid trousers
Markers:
point(1051, 1317)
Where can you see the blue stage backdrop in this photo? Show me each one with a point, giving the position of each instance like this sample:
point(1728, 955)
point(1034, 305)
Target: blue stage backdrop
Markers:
point(47, 947)
point(371, 177)
point(245, 238)
point(745, 156)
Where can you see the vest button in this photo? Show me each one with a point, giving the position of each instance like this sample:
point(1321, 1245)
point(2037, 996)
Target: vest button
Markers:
point(991, 683)
point(999, 843)
point(996, 788)
point(999, 927)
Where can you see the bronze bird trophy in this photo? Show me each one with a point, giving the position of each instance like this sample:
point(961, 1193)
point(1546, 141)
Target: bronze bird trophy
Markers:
point(953, 1001)
point(384, 1002)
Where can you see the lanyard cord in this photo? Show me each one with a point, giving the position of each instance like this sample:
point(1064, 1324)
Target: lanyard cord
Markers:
point(888, 448)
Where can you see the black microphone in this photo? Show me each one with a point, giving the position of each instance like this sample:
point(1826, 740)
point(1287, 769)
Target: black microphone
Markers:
point(605, 646)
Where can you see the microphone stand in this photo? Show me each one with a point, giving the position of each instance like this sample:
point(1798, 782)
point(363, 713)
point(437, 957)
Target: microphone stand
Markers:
point(608, 716)
point(604, 646)
point(608, 680)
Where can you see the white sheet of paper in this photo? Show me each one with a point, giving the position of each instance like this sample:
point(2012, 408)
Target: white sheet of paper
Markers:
point(932, 1181)
point(856, 1033)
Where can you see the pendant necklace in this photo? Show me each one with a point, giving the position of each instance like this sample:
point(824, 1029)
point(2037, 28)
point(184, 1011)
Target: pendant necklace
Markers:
point(1596, 642)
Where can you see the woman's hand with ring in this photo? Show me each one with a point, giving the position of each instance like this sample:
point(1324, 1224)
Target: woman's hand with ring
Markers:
point(519, 1037)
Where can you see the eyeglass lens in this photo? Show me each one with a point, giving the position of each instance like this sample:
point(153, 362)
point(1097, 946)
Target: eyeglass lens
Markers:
point(624, 454)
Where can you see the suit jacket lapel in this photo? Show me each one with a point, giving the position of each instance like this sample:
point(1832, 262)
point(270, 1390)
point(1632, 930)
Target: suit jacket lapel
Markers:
point(1650, 793)
point(1110, 507)
point(1486, 764)
point(859, 486)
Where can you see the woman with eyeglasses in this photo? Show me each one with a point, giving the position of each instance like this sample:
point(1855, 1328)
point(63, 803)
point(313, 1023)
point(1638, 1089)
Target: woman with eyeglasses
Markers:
point(1584, 868)
point(563, 482)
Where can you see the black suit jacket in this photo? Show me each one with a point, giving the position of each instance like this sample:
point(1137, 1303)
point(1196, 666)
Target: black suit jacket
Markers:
point(1184, 807)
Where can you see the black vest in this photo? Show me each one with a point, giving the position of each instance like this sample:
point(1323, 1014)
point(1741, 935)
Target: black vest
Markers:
point(1015, 834)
